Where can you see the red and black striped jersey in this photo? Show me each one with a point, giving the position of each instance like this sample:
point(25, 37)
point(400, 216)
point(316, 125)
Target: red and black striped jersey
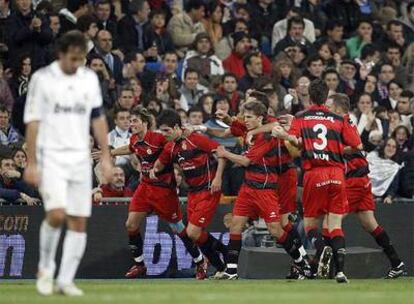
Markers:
point(285, 160)
point(194, 154)
point(148, 150)
point(356, 163)
point(262, 172)
point(324, 135)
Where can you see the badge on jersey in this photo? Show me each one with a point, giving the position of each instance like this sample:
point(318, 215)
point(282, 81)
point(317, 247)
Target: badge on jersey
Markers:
point(184, 146)
point(149, 151)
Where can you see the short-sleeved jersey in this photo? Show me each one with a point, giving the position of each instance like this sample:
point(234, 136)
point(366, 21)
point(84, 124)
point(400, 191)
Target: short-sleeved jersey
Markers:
point(262, 172)
point(148, 150)
point(285, 161)
point(194, 155)
point(324, 135)
point(62, 104)
point(356, 163)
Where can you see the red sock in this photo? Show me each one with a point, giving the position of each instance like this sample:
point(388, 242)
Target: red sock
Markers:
point(288, 227)
point(202, 239)
point(336, 232)
point(283, 238)
point(377, 231)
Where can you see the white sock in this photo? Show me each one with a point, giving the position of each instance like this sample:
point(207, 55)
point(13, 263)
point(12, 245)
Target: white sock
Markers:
point(302, 251)
point(48, 242)
point(73, 249)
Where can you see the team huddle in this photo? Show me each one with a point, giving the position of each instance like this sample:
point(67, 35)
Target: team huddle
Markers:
point(335, 183)
point(335, 180)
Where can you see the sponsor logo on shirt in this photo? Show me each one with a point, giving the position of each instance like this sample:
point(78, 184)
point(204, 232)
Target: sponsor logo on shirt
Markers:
point(77, 108)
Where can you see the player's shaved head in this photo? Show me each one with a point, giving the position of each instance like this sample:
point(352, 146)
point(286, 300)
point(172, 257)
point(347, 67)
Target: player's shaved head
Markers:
point(318, 92)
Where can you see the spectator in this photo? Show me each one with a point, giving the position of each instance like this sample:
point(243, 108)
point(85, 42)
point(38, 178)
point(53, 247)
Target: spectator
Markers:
point(363, 37)
point(229, 88)
point(5, 14)
point(125, 101)
point(169, 67)
point(6, 96)
point(28, 34)
point(135, 67)
point(386, 74)
point(165, 91)
point(69, 16)
point(103, 12)
point(8, 135)
point(345, 11)
point(195, 116)
point(119, 136)
point(116, 188)
point(185, 26)
point(280, 29)
point(54, 24)
point(20, 82)
point(298, 98)
point(202, 59)
point(384, 171)
point(347, 73)
point(408, 64)
point(394, 121)
point(254, 71)
point(393, 54)
point(334, 33)
point(285, 72)
point(206, 103)
point(408, 19)
point(106, 81)
point(401, 134)
point(11, 189)
point(87, 24)
point(405, 107)
point(394, 35)
point(212, 23)
point(226, 44)
point(138, 95)
point(103, 47)
point(191, 90)
point(326, 52)
point(314, 67)
point(394, 90)
point(157, 41)
point(313, 10)
point(131, 28)
point(364, 118)
point(331, 78)
point(295, 34)
point(20, 160)
point(242, 46)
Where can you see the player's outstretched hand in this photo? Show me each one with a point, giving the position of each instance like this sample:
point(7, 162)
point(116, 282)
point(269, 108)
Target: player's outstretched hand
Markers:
point(31, 175)
point(279, 132)
point(216, 184)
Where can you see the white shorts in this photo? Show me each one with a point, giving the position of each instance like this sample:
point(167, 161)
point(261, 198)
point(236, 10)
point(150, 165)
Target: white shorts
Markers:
point(66, 181)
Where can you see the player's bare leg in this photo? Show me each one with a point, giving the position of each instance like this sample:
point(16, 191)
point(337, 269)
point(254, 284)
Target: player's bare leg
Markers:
point(234, 248)
point(133, 224)
point(338, 245)
point(288, 242)
point(370, 225)
point(73, 249)
point(50, 231)
point(209, 246)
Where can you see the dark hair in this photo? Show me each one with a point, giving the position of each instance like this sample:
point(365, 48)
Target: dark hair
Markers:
point(4, 109)
point(84, 22)
point(381, 150)
point(170, 53)
point(194, 109)
point(226, 75)
point(93, 56)
point(157, 12)
point(132, 56)
point(136, 6)
point(102, 2)
point(212, 6)
point(368, 50)
point(45, 6)
point(249, 56)
point(118, 110)
point(342, 101)
point(407, 93)
point(74, 5)
point(194, 5)
point(125, 87)
point(394, 22)
point(313, 58)
point(330, 71)
point(318, 91)
point(332, 24)
point(365, 20)
point(190, 70)
point(143, 114)
point(71, 39)
point(19, 65)
point(410, 6)
point(394, 82)
point(393, 45)
point(394, 133)
point(256, 107)
point(18, 150)
point(218, 98)
point(296, 20)
point(170, 118)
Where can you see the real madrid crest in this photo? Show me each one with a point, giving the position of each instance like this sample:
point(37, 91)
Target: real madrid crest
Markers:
point(184, 146)
point(149, 151)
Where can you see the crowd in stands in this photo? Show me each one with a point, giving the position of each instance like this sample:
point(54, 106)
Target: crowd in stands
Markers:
point(203, 56)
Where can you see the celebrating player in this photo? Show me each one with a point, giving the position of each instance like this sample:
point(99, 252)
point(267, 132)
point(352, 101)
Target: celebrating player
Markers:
point(158, 196)
point(257, 196)
point(323, 135)
point(203, 173)
point(62, 99)
point(360, 198)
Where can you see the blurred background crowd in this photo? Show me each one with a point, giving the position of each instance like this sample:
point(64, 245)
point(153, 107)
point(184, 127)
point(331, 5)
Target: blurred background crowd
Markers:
point(200, 56)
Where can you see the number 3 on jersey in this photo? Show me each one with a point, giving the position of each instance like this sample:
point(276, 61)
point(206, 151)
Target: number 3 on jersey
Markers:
point(321, 132)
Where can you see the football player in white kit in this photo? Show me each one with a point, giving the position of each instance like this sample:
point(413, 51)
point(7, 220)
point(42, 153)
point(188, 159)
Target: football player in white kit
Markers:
point(63, 101)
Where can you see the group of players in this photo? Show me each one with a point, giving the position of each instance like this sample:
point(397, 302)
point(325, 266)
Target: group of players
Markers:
point(335, 183)
point(64, 100)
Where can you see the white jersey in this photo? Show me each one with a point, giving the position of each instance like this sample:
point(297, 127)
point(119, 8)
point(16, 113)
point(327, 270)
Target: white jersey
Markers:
point(62, 104)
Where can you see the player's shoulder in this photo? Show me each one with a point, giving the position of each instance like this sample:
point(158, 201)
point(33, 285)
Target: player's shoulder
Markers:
point(156, 137)
point(43, 73)
point(87, 74)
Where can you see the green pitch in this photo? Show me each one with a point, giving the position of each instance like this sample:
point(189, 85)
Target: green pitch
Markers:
point(221, 292)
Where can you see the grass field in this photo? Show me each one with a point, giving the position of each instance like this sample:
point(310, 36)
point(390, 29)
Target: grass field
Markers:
point(243, 291)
